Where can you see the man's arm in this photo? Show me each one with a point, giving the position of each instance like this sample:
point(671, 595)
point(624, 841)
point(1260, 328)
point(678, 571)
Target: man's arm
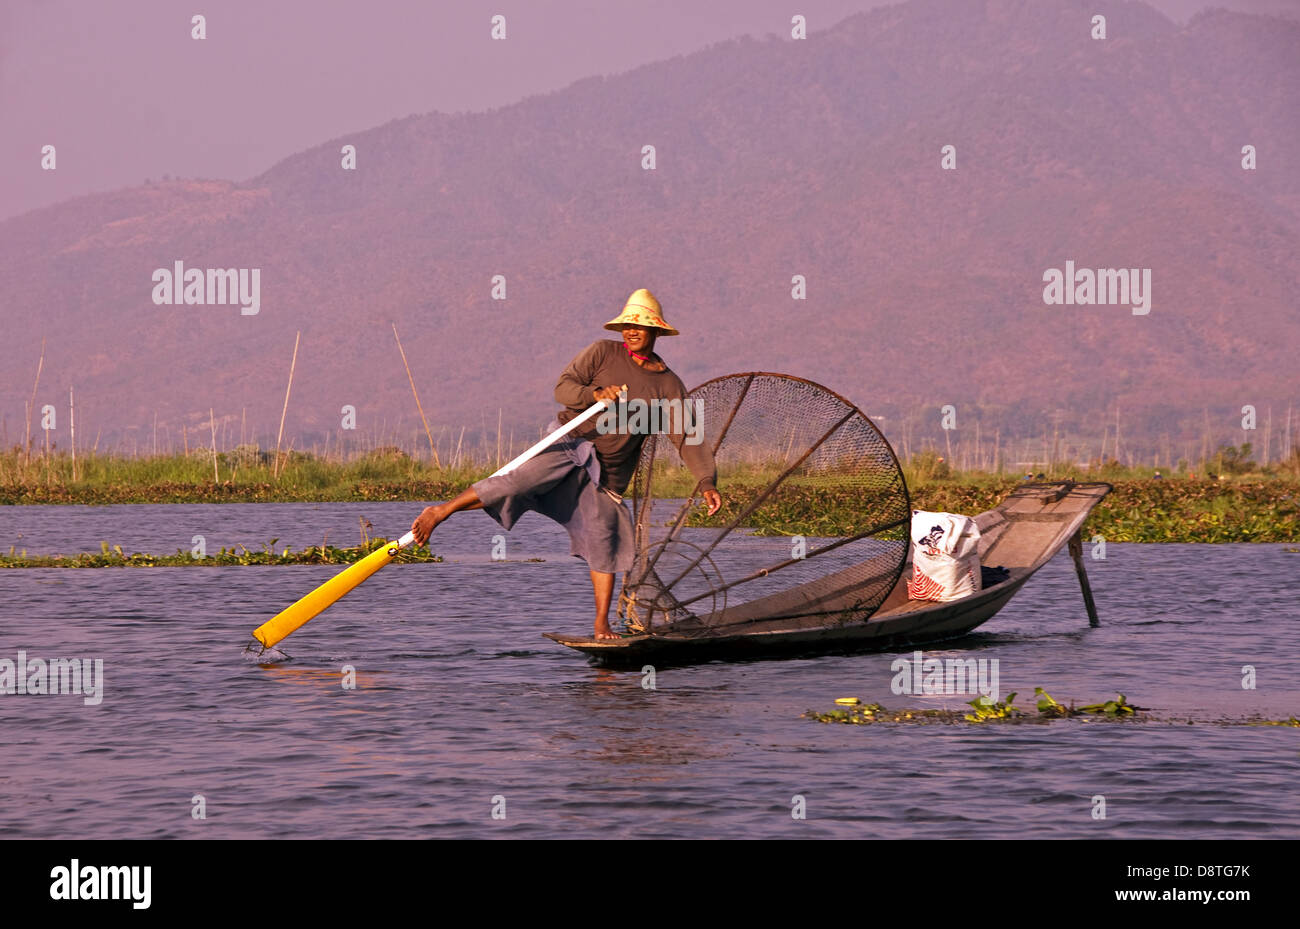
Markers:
point(699, 458)
point(576, 388)
point(697, 452)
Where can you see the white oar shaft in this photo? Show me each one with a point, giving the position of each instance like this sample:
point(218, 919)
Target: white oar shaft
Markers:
point(555, 436)
point(532, 452)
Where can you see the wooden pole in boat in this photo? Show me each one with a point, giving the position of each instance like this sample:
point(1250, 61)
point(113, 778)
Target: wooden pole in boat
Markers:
point(1076, 552)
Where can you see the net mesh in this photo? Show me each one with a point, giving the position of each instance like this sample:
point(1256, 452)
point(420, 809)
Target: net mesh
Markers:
point(793, 460)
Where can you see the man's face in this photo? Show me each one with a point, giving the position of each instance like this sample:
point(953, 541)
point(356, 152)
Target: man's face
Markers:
point(640, 339)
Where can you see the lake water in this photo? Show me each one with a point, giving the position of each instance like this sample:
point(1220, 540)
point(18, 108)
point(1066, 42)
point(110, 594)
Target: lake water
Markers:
point(459, 700)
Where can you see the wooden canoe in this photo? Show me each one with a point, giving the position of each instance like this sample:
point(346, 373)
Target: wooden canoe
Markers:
point(1022, 534)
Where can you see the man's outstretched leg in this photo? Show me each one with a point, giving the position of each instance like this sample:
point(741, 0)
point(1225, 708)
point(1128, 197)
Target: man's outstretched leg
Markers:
point(429, 518)
point(603, 585)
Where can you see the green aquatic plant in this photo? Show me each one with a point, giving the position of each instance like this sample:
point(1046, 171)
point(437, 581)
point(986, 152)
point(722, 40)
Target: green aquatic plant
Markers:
point(1047, 706)
point(987, 708)
point(1290, 721)
point(1174, 509)
point(1117, 707)
point(868, 713)
point(860, 713)
point(1169, 510)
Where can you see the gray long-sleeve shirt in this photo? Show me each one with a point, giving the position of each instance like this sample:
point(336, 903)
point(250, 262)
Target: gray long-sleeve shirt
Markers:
point(606, 363)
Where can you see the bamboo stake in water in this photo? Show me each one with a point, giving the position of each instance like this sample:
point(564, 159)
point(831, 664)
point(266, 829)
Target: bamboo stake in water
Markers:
point(1268, 435)
point(1205, 439)
point(31, 407)
point(1117, 458)
point(275, 470)
point(72, 428)
point(212, 421)
point(1288, 431)
point(437, 463)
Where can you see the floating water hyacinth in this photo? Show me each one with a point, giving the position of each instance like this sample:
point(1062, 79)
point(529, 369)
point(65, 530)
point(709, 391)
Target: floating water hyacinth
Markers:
point(1117, 707)
point(1048, 706)
point(985, 709)
point(1291, 721)
point(866, 713)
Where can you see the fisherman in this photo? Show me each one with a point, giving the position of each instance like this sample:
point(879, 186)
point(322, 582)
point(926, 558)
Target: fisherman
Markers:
point(579, 481)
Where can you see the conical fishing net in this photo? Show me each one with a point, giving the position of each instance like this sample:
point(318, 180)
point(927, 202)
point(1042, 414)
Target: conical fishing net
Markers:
point(794, 459)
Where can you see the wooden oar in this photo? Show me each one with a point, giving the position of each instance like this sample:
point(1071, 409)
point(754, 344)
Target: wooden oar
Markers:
point(309, 607)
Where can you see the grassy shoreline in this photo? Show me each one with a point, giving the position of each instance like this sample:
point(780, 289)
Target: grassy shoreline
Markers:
point(115, 557)
point(1252, 506)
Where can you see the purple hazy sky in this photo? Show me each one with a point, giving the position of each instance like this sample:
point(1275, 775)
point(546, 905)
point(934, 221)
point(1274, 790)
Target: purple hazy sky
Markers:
point(125, 94)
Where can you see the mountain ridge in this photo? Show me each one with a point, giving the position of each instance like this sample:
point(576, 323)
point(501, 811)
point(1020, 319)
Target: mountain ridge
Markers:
point(775, 158)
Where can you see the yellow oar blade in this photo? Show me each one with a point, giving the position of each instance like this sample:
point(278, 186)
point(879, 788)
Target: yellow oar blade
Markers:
point(285, 622)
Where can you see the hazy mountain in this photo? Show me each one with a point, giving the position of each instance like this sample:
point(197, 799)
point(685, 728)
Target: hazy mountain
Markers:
point(774, 158)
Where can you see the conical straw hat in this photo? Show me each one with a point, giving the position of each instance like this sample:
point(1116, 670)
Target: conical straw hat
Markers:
point(642, 309)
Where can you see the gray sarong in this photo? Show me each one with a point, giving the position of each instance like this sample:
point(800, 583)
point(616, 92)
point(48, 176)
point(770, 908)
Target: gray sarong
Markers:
point(563, 482)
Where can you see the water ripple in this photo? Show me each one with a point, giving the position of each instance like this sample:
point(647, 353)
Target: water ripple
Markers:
point(461, 709)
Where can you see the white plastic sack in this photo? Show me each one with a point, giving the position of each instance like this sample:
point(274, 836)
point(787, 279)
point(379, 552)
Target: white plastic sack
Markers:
point(945, 556)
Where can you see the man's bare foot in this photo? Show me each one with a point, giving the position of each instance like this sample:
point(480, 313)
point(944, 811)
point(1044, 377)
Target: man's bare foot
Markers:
point(603, 631)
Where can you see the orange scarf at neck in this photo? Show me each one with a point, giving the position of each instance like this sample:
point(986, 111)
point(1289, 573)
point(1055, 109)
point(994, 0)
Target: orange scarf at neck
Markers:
point(635, 355)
